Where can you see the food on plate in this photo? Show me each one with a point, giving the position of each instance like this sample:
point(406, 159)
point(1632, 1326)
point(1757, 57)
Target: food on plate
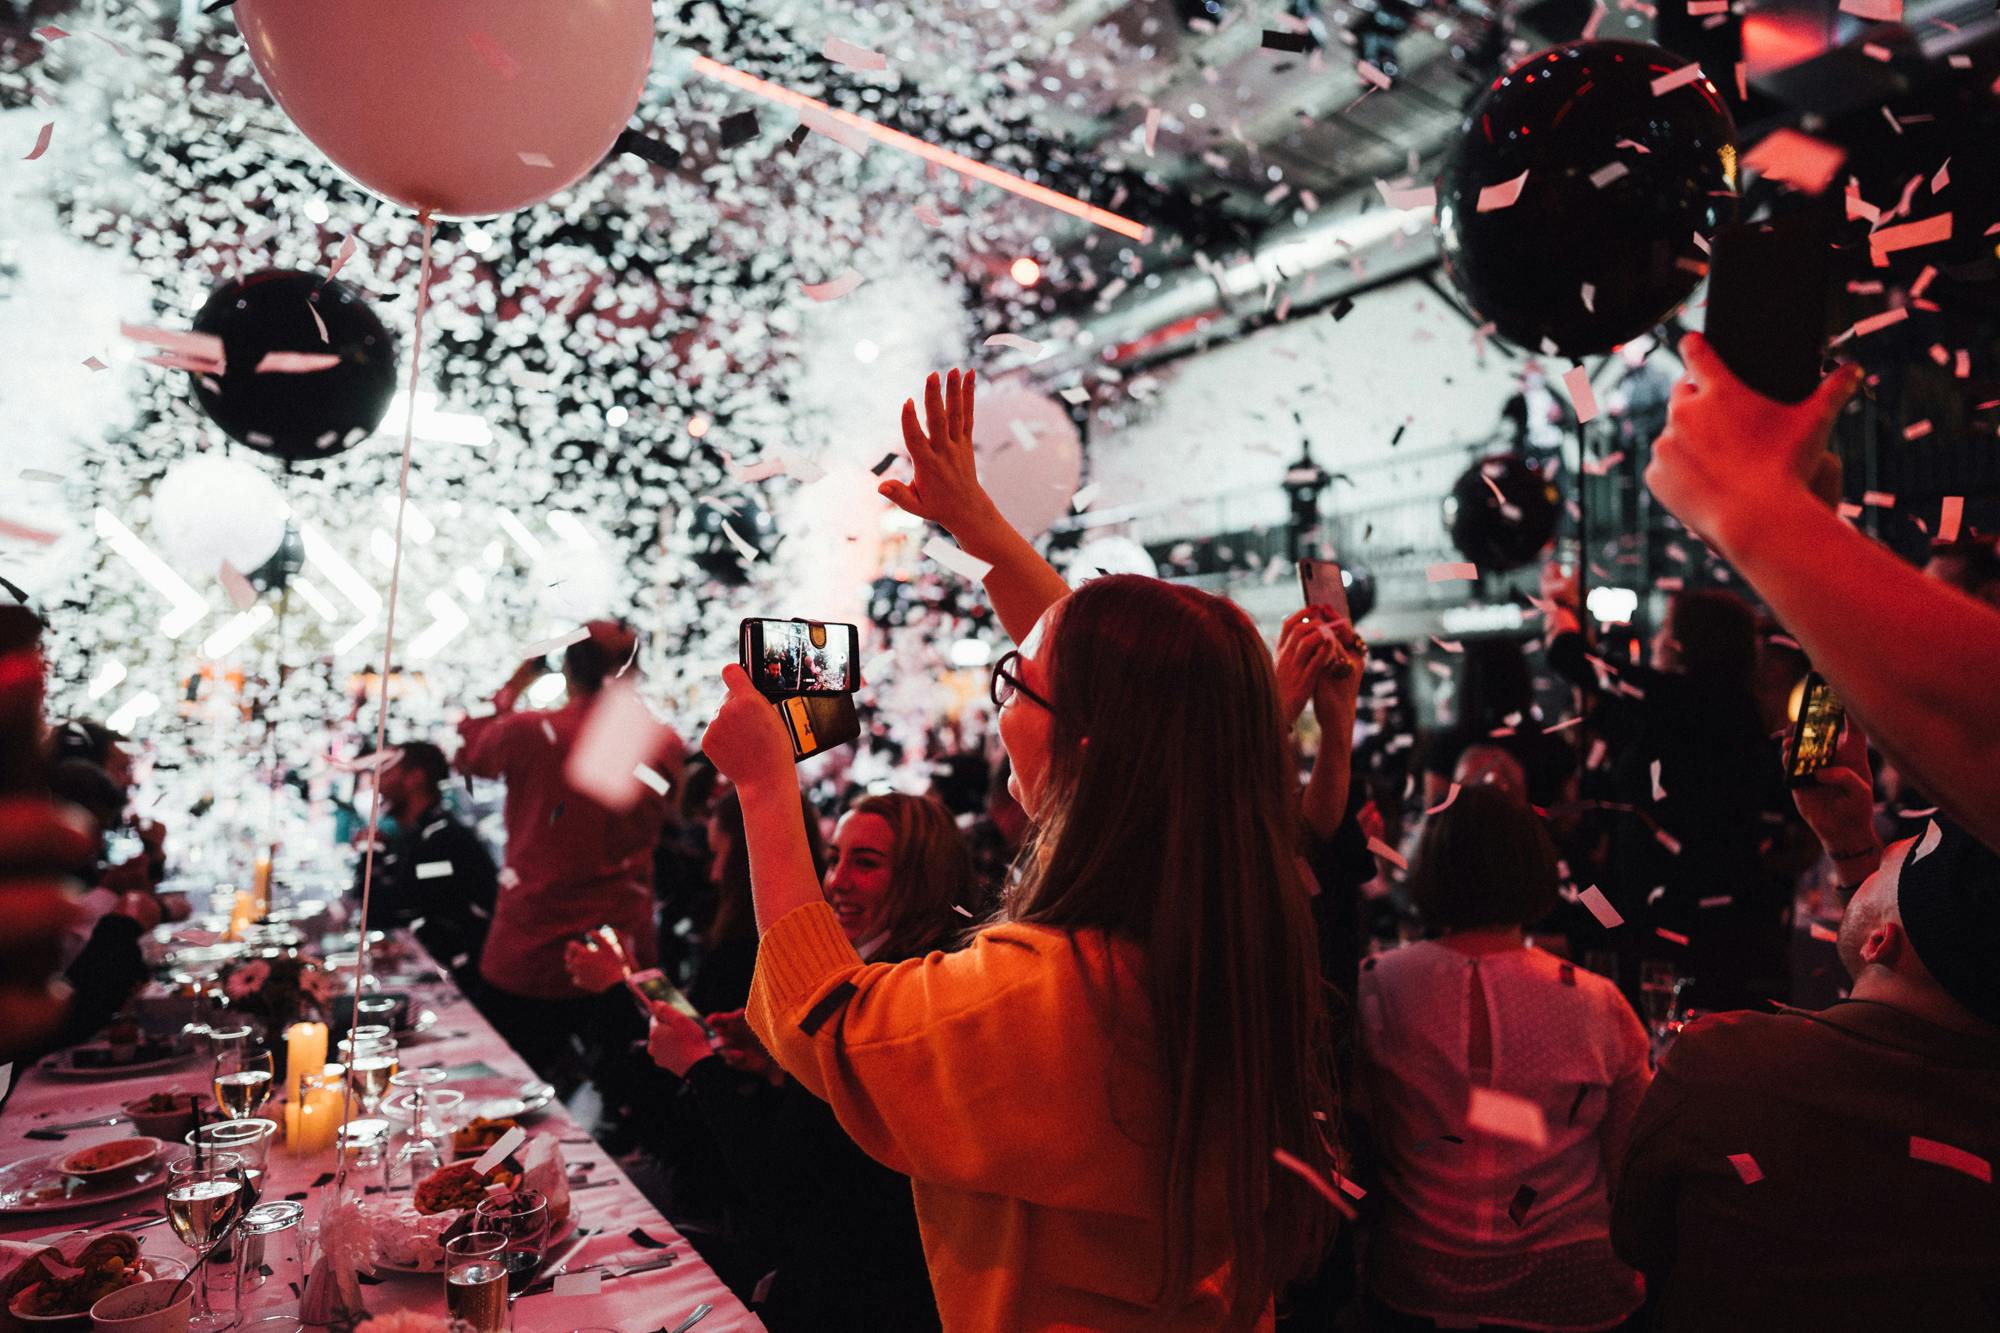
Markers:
point(542, 1168)
point(114, 1053)
point(458, 1187)
point(165, 1115)
point(162, 1103)
point(51, 1285)
point(406, 1236)
point(109, 1156)
point(480, 1134)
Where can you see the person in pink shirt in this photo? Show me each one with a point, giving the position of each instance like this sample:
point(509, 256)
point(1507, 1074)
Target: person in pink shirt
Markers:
point(571, 863)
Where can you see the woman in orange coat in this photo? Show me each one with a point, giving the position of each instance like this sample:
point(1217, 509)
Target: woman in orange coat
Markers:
point(1094, 1098)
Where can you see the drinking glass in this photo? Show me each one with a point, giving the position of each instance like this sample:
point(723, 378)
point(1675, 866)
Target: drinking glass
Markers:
point(370, 1057)
point(243, 1071)
point(204, 981)
point(378, 1011)
point(271, 1266)
point(475, 1280)
point(362, 1147)
point(204, 1203)
point(247, 1140)
point(424, 1145)
point(522, 1217)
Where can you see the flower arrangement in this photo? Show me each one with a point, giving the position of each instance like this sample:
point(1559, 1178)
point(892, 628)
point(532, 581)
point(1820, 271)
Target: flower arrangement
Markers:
point(279, 988)
point(410, 1321)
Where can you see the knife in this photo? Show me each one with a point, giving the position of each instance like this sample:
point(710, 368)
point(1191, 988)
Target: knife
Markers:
point(554, 1266)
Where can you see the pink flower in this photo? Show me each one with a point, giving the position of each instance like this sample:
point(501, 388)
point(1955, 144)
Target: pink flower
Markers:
point(316, 984)
point(247, 980)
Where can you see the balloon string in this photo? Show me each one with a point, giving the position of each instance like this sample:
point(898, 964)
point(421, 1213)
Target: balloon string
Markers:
point(382, 707)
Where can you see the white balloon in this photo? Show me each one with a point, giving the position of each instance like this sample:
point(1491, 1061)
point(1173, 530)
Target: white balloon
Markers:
point(213, 508)
point(1030, 456)
point(1109, 555)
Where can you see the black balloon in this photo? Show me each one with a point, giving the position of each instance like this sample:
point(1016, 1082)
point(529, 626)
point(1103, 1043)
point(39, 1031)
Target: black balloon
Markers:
point(1502, 513)
point(1587, 256)
point(305, 416)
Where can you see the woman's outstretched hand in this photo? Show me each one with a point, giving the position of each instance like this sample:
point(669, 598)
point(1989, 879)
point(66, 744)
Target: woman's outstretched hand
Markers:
point(746, 742)
point(945, 489)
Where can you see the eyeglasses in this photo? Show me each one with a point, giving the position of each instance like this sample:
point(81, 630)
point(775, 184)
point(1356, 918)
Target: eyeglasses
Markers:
point(1007, 684)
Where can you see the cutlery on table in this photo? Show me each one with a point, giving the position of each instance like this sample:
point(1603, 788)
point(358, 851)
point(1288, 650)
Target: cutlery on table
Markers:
point(700, 1313)
point(79, 1124)
point(557, 1264)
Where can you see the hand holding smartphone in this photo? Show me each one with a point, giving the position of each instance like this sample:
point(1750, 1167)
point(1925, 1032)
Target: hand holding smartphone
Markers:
point(1815, 731)
point(809, 670)
point(1767, 302)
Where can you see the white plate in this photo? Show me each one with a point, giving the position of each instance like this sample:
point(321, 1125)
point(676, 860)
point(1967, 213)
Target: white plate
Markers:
point(18, 1178)
point(548, 1247)
point(528, 1102)
point(60, 1067)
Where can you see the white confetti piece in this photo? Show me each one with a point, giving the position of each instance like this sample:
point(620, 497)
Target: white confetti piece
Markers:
point(241, 595)
point(1506, 1116)
point(312, 308)
point(1085, 497)
point(1323, 1186)
point(834, 290)
point(1577, 380)
point(1015, 341)
point(832, 127)
point(1506, 194)
point(578, 1284)
point(1927, 844)
point(947, 553)
point(1659, 792)
point(1388, 853)
point(38, 474)
point(534, 159)
point(618, 734)
point(650, 776)
point(1944, 1154)
point(499, 1152)
point(1608, 173)
point(1410, 198)
point(1746, 1166)
point(842, 52)
point(296, 363)
point(434, 870)
point(549, 647)
point(1680, 78)
point(1451, 571)
point(1075, 395)
point(41, 142)
point(1600, 907)
point(742, 544)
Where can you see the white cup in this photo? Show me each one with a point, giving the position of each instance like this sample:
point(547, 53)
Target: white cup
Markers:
point(142, 1308)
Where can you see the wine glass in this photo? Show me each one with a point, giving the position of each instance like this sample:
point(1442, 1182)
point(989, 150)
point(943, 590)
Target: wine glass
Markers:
point(522, 1216)
point(475, 1280)
point(243, 1071)
point(204, 1202)
point(370, 1057)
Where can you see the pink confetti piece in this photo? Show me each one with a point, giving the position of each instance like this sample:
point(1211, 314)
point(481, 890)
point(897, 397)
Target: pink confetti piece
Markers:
point(1372, 76)
point(1874, 11)
point(1388, 853)
point(340, 259)
point(312, 309)
point(490, 51)
point(1746, 1166)
point(1916, 430)
point(1015, 341)
point(94, 364)
point(1411, 198)
point(1927, 844)
point(1703, 8)
point(1451, 571)
point(1950, 515)
point(821, 123)
point(1608, 173)
point(1152, 131)
point(1824, 934)
point(842, 52)
point(1716, 900)
point(1597, 14)
point(1957, 1159)
point(1599, 906)
point(1323, 1186)
point(835, 289)
point(617, 735)
point(1577, 380)
point(1909, 235)
point(1874, 324)
point(1506, 1116)
point(1563, 725)
point(1796, 159)
point(1672, 936)
point(1444, 805)
point(1680, 78)
point(535, 159)
point(296, 363)
point(1942, 177)
point(1668, 841)
point(41, 142)
point(928, 215)
point(49, 32)
point(1506, 194)
point(241, 595)
point(22, 532)
point(1879, 499)
point(762, 469)
point(948, 554)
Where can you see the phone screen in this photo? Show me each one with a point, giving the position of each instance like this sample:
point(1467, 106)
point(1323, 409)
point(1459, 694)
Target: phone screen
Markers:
point(1816, 732)
point(1767, 302)
point(786, 657)
point(1324, 585)
point(653, 986)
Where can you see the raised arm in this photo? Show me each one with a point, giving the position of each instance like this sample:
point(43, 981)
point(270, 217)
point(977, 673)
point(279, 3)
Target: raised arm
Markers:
point(1910, 656)
point(946, 491)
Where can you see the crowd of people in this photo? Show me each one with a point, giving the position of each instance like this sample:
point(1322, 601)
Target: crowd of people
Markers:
point(1157, 1032)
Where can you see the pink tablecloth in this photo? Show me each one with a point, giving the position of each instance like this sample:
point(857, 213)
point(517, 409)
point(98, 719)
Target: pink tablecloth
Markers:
point(635, 1304)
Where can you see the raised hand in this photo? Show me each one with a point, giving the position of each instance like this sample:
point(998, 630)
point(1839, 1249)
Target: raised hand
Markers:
point(1337, 689)
point(746, 742)
point(945, 489)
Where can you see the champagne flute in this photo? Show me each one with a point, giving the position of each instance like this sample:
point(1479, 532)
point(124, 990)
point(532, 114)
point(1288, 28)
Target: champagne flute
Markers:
point(475, 1280)
point(371, 1063)
point(243, 1071)
point(204, 1201)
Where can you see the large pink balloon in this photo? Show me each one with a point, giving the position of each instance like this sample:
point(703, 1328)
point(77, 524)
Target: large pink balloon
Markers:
point(468, 108)
point(1029, 454)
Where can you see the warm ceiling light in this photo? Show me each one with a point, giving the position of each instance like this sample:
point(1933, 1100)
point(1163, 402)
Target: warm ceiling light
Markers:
point(1026, 271)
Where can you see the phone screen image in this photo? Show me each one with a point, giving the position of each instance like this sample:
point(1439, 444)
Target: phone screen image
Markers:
point(801, 657)
point(653, 986)
point(1324, 585)
point(1817, 730)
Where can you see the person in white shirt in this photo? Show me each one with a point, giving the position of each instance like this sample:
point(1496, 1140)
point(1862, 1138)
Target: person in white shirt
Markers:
point(1501, 1084)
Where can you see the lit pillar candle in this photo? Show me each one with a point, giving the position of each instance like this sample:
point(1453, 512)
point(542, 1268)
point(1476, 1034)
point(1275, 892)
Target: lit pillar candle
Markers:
point(260, 887)
point(305, 1053)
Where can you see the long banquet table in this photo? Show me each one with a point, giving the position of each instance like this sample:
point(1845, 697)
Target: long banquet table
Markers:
point(604, 1199)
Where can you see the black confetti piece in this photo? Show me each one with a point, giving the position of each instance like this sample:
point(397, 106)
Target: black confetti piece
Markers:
point(797, 141)
point(1342, 307)
point(368, 1279)
point(1568, 974)
point(325, 1179)
point(48, 1135)
point(888, 461)
point(647, 150)
point(739, 129)
point(1577, 1105)
point(1524, 1199)
point(1451, 1138)
point(296, 1195)
point(1397, 438)
point(638, 1236)
point(1276, 40)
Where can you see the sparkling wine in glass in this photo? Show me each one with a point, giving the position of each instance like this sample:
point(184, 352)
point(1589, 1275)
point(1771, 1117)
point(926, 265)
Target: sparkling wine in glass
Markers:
point(205, 1199)
point(475, 1280)
point(243, 1072)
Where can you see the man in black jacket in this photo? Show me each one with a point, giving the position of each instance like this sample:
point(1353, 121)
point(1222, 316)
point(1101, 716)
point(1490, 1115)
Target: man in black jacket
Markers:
point(435, 874)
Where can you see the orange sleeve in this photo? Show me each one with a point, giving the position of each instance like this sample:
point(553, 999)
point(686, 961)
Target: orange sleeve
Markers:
point(949, 1068)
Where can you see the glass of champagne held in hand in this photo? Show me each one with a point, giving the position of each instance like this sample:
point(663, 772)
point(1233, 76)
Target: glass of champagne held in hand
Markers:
point(475, 1280)
point(205, 1199)
point(243, 1071)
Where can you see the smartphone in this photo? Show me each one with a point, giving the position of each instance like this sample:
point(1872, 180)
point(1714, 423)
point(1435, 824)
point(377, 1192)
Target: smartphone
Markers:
point(1815, 731)
point(1767, 302)
point(1324, 585)
point(652, 987)
point(818, 722)
point(789, 657)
